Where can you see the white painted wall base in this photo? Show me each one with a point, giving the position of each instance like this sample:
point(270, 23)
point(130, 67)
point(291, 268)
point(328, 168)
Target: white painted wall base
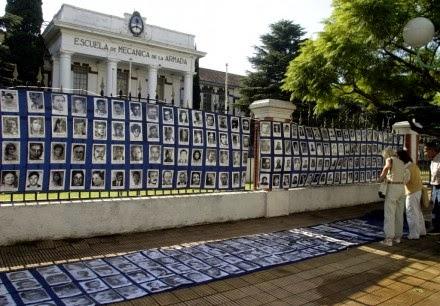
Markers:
point(80, 219)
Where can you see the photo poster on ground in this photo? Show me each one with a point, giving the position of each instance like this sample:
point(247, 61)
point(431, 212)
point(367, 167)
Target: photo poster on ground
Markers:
point(59, 142)
point(294, 155)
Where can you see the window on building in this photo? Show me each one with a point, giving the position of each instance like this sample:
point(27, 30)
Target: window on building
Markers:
point(80, 78)
point(207, 101)
point(122, 82)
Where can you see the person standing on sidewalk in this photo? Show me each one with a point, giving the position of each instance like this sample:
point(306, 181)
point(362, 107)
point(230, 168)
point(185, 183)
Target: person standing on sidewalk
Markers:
point(394, 173)
point(432, 152)
point(413, 191)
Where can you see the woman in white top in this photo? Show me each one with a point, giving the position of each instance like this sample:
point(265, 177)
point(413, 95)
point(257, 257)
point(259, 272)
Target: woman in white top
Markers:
point(394, 207)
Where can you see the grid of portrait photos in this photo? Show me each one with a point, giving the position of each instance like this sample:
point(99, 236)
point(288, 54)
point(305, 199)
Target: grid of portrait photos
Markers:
point(55, 141)
point(292, 155)
point(137, 274)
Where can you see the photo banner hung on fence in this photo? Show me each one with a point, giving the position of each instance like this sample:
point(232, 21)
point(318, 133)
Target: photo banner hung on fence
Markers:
point(293, 155)
point(60, 142)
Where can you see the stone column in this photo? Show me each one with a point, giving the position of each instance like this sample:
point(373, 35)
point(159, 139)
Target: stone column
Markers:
point(176, 89)
point(65, 70)
point(152, 81)
point(187, 93)
point(269, 110)
point(411, 141)
point(56, 71)
point(112, 78)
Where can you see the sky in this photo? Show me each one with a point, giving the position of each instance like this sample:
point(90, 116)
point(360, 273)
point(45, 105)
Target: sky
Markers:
point(227, 30)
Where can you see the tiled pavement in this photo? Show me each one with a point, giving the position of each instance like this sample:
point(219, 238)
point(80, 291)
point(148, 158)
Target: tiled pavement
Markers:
point(406, 274)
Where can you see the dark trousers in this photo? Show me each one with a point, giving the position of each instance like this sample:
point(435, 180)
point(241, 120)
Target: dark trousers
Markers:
point(436, 209)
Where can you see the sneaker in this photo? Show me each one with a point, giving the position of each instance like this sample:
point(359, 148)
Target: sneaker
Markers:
point(397, 240)
point(387, 242)
point(413, 238)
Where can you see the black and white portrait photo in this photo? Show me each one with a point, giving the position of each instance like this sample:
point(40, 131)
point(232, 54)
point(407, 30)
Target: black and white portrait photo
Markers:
point(79, 128)
point(118, 130)
point(244, 158)
point(195, 179)
point(9, 101)
point(196, 157)
point(168, 156)
point(294, 131)
point(168, 134)
point(182, 159)
point(210, 121)
point(235, 124)
point(264, 180)
point(224, 157)
point(59, 104)
point(135, 111)
point(100, 107)
point(78, 155)
point(99, 130)
point(58, 152)
point(9, 180)
point(154, 156)
point(34, 296)
point(99, 153)
point(97, 179)
point(211, 157)
point(287, 164)
point(131, 292)
point(35, 101)
point(136, 179)
point(152, 113)
point(286, 130)
point(167, 178)
point(296, 163)
point(10, 152)
point(35, 152)
point(211, 139)
point(286, 181)
point(197, 118)
point(278, 164)
point(278, 146)
point(235, 141)
point(316, 133)
point(197, 139)
point(245, 125)
point(182, 179)
point(168, 115)
point(265, 129)
point(10, 127)
point(222, 123)
point(223, 140)
point(59, 126)
point(152, 178)
point(118, 179)
point(118, 154)
point(135, 131)
point(79, 106)
point(265, 146)
point(118, 109)
point(56, 179)
point(235, 179)
point(276, 129)
point(136, 154)
point(301, 132)
point(183, 136)
point(77, 179)
point(210, 178)
point(223, 181)
point(265, 164)
point(183, 117)
point(294, 182)
point(153, 132)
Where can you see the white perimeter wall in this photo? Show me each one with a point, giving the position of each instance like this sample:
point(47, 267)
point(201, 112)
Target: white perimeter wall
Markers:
point(89, 218)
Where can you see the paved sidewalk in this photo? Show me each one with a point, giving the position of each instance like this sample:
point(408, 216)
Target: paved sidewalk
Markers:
point(406, 274)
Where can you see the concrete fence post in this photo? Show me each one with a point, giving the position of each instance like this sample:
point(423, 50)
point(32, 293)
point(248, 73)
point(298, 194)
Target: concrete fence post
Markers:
point(411, 142)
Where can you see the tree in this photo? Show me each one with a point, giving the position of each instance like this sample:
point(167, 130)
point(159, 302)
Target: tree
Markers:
point(270, 62)
point(196, 86)
point(24, 40)
point(6, 66)
point(360, 62)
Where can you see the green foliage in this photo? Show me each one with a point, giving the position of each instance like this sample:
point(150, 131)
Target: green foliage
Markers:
point(270, 61)
point(360, 62)
point(25, 43)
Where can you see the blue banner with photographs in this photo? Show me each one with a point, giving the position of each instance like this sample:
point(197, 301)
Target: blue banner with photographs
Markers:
point(292, 155)
point(61, 142)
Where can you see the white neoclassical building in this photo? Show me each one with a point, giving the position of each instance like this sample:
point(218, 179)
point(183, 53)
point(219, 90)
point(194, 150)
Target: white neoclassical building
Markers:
point(103, 53)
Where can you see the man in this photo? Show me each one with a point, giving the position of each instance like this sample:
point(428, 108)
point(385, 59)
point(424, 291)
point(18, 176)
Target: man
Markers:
point(58, 152)
point(210, 121)
point(197, 137)
point(9, 103)
point(79, 127)
point(99, 153)
point(153, 176)
point(183, 157)
point(135, 181)
point(136, 113)
point(35, 151)
point(118, 110)
point(59, 105)
point(35, 102)
point(167, 116)
point(100, 130)
point(78, 153)
point(432, 152)
point(153, 132)
point(118, 153)
point(10, 127)
point(10, 152)
point(79, 106)
point(135, 132)
point(195, 179)
point(155, 154)
point(33, 181)
point(168, 135)
point(167, 178)
point(118, 130)
point(77, 178)
point(152, 112)
point(118, 179)
point(136, 154)
point(182, 179)
point(101, 108)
